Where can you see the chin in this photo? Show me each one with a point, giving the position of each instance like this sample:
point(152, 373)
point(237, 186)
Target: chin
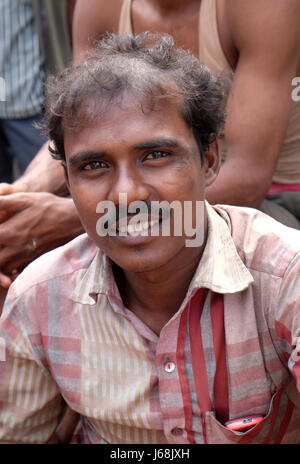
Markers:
point(143, 256)
point(142, 259)
point(138, 267)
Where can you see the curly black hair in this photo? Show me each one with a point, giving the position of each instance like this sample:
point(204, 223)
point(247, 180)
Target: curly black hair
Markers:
point(147, 65)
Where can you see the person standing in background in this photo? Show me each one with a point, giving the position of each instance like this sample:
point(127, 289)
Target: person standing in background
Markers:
point(34, 42)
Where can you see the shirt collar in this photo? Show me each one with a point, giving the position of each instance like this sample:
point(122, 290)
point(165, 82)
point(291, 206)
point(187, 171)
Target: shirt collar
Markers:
point(97, 278)
point(220, 268)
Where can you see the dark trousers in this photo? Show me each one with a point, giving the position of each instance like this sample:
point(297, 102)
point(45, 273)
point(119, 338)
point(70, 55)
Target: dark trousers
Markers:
point(284, 207)
point(19, 140)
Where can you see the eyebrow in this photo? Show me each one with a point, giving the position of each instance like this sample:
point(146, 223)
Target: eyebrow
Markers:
point(162, 142)
point(85, 156)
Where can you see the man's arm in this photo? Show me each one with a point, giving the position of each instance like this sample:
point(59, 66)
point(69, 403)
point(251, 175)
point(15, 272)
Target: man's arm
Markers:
point(30, 215)
point(92, 19)
point(39, 222)
point(266, 35)
point(44, 174)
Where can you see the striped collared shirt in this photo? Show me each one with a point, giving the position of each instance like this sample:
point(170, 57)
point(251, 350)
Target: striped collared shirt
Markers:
point(232, 349)
point(21, 61)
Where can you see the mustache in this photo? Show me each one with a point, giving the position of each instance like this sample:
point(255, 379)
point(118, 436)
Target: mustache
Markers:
point(116, 213)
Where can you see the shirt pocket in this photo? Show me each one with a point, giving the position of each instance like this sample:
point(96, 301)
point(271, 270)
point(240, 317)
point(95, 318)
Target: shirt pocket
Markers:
point(263, 432)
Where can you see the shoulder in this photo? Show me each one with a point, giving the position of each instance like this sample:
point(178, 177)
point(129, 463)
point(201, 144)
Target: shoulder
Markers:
point(64, 261)
point(261, 23)
point(263, 244)
point(92, 19)
point(101, 13)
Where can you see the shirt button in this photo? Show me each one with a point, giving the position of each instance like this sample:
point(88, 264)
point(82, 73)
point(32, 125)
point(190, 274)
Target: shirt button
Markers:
point(177, 431)
point(170, 366)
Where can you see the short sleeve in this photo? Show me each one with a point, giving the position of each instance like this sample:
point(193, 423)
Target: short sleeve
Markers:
point(30, 402)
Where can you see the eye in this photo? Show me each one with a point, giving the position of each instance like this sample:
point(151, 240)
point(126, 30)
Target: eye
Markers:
point(158, 154)
point(92, 165)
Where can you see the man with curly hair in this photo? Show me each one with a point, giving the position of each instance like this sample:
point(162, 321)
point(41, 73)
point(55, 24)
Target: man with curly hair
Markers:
point(148, 337)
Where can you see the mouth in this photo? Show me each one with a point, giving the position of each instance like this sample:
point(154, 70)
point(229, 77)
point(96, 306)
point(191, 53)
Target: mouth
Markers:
point(134, 227)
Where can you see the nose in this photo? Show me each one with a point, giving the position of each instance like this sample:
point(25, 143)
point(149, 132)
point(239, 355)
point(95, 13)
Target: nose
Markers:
point(128, 186)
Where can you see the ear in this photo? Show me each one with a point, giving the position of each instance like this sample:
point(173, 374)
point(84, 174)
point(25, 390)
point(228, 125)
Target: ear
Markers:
point(66, 174)
point(212, 163)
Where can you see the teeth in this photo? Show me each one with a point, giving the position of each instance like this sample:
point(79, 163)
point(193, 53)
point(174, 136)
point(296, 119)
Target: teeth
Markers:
point(131, 228)
point(138, 227)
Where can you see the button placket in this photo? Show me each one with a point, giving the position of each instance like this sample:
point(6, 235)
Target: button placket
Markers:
point(166, 363)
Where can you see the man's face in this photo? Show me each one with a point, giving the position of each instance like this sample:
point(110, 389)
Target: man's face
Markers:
point(149, 155)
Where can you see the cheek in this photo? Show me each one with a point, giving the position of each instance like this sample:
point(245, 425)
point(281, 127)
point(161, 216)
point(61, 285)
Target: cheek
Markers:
point(86, 201)
point(186, 183)
point(86, 194)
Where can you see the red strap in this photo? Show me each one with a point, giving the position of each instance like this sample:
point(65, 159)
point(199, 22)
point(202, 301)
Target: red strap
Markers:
point(198, 359)
point(221, 402)
point(221, 376)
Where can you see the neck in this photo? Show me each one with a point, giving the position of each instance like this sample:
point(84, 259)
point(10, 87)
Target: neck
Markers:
point(155, 296)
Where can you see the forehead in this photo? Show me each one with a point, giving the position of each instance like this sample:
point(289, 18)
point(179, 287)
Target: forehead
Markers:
point(128, 123)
